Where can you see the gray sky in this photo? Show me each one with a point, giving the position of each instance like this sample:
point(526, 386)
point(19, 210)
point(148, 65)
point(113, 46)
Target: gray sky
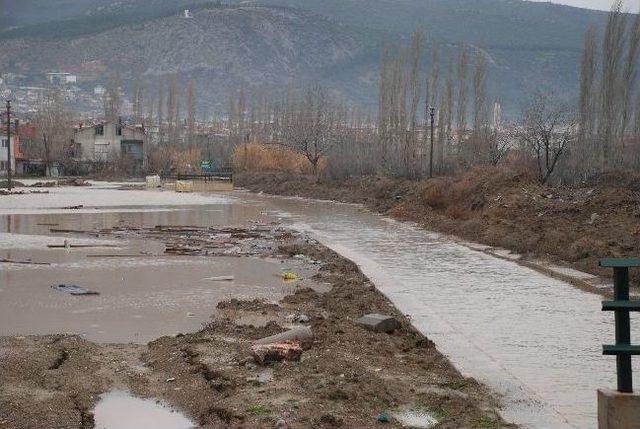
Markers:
point(596, 4)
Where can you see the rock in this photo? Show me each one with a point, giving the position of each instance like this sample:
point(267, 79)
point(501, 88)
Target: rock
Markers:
point(170, 379)
point(268, 353)
point(378, 323)
point(594, 218)
point(301, 335)
point(302, 318)
point(281, 424)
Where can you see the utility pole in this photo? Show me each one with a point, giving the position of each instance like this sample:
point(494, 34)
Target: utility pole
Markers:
point(431, 115)
point(9, 145)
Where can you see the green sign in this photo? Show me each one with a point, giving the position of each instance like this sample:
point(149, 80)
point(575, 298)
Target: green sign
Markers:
point(206, 164)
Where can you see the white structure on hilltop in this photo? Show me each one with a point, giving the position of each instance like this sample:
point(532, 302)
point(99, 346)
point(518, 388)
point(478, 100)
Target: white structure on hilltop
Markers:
point(61, 78)
point(187, 13)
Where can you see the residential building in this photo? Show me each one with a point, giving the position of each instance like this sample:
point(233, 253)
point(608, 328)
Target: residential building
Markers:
point(4, 159)
point(110, 142)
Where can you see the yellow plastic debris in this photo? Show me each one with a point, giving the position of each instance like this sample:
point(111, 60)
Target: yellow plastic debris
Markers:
point(290, 276)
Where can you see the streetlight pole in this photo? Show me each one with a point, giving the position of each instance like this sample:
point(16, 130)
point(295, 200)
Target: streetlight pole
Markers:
point(431, 115)
point(9, 145)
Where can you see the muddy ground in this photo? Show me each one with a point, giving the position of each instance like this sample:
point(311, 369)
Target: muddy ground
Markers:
point(574, 226)
point(346, 378)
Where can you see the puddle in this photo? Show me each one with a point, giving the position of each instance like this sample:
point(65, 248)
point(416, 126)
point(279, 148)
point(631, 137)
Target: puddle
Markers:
point(120, 410)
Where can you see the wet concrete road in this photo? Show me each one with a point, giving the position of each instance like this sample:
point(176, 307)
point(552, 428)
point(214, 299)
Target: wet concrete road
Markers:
point(535, 340)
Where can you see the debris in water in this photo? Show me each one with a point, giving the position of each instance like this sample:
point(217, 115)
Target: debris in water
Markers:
point(73, 207)
point(289, 276)
point(74, 290)
point(221, 278)
point(13, 261)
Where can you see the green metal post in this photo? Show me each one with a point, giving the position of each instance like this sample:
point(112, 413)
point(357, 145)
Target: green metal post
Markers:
point(623, 329)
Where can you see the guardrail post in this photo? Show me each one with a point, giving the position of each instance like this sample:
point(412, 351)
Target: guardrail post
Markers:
point(623, 329)
point(620, 409)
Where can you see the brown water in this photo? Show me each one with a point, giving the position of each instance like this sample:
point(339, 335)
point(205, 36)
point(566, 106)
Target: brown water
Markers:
point(141, 297)
point(533, 339)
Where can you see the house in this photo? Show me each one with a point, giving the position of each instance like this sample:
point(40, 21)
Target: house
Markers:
point(17, 155)
point(110, 141)
point(4, 148)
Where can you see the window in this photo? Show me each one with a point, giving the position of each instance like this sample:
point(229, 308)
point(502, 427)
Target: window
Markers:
point(3, 165)
point(118, 130)
point(99, 130)
point(4, 143)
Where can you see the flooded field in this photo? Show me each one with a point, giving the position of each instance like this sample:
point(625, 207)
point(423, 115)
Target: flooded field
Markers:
point(143, 293)
point(533, 339)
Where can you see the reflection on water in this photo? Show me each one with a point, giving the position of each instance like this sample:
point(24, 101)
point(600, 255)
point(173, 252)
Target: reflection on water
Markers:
point(533, 338)
point(120, 410)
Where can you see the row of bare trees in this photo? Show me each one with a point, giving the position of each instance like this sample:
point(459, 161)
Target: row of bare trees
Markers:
point(609, 103)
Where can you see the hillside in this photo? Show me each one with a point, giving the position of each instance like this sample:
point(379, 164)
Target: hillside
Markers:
point(530, 46)
point(220, 47)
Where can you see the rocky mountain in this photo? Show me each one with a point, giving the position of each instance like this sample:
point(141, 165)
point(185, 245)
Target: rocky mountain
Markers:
point(274, 43)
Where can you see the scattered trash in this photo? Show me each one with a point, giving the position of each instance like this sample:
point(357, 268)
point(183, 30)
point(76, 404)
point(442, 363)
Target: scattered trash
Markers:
point(68, 245)
point(74, 290)
point(301, 335)
point(416, 419)
point(289, 276)
point(268, 353)
point(170, 379)
point(383, 418)
point(378, 323)
point(191, 315)
point(73, 207)
point(13, 261)
point(298, 318)
point(221, 278)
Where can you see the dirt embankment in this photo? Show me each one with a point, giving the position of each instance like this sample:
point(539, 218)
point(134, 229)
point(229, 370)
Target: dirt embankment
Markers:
point(345, 379)
point(499, 207)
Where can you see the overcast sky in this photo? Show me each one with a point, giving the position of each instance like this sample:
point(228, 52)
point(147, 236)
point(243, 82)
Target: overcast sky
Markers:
point(596, 4)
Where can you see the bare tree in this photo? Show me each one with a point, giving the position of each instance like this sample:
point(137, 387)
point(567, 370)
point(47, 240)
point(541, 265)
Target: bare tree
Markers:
point(612, 62)
point(312, 129)
point(463, 66)
point(53, 125)
point(191, 112)
point(587, 101)
point(547, 129)
point(113, 98)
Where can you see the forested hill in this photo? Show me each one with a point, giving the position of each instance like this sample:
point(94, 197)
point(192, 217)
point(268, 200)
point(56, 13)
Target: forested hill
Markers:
point(530, 46)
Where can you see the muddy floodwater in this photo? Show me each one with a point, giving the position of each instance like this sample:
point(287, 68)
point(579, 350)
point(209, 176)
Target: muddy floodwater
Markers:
point(533, 339)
